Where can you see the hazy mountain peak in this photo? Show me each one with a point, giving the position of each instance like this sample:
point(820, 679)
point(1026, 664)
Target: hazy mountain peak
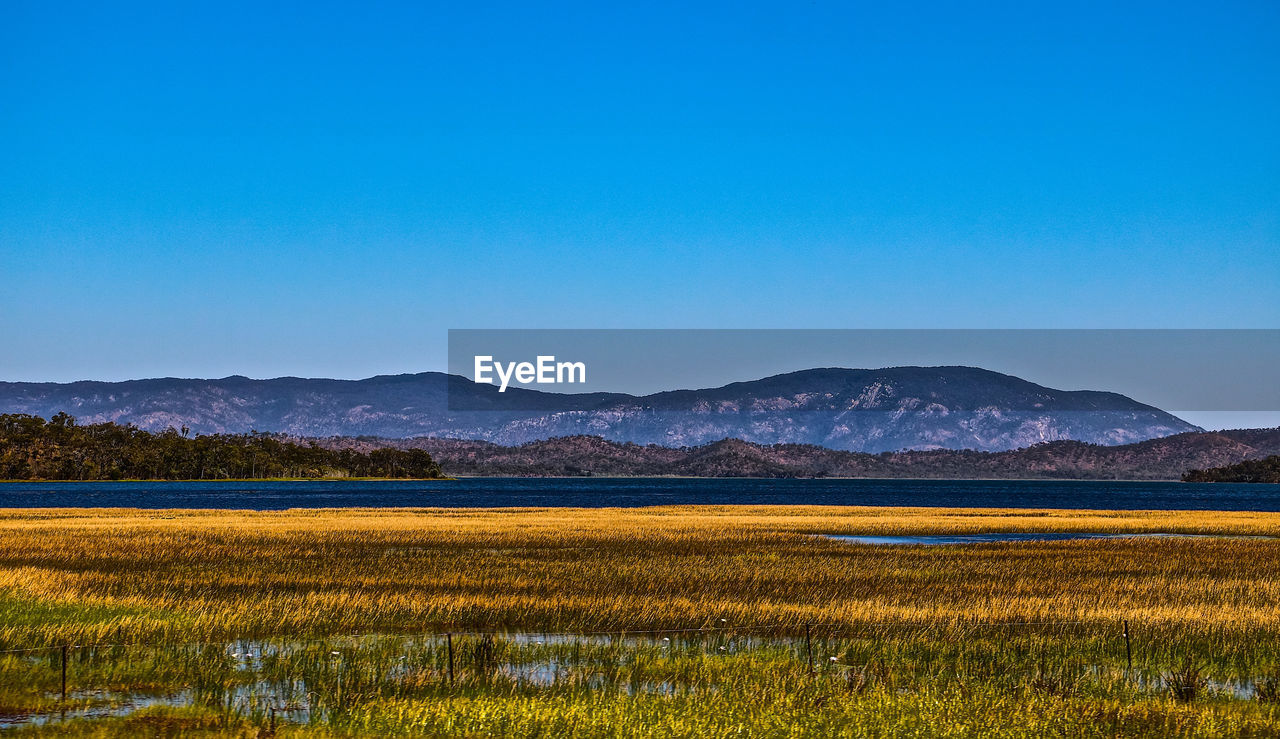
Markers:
point(852, 409)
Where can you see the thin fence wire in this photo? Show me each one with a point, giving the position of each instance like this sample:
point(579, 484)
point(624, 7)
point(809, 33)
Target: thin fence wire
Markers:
point(831, 628)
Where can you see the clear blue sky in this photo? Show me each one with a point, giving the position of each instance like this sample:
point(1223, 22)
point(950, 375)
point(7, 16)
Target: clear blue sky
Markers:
point(322, 190)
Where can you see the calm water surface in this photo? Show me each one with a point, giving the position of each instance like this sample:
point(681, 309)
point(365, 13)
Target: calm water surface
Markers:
point(634, 492)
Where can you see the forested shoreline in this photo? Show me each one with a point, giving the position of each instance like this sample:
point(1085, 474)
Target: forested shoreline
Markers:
point(1251, 470)
point(32, 448)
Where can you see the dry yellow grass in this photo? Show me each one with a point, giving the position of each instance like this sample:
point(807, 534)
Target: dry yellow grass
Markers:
point(124, 575)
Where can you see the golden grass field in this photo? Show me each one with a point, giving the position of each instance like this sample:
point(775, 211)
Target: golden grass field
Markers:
point(127, 575)
point(975, 640)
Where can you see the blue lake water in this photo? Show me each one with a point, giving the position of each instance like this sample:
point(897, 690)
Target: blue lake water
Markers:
point(635, 492)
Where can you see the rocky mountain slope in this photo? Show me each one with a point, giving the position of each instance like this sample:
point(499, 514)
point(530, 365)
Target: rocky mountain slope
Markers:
point(843, 409)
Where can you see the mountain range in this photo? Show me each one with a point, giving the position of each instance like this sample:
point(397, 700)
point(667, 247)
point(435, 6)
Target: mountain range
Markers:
point(857, 410)
point(1165, 458)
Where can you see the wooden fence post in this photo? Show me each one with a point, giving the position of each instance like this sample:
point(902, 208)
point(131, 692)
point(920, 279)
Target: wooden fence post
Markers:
point(64, 673)
point(449, 637)
point(808, 647)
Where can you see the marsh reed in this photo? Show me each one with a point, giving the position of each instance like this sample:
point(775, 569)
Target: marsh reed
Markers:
point(1014, 637)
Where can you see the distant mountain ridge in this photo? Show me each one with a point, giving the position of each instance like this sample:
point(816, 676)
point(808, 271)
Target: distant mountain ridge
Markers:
point(1166, 458)
point(845, 409)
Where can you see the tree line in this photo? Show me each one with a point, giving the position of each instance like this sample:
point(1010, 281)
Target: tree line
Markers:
point(32, 448)
point(1250, 470)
